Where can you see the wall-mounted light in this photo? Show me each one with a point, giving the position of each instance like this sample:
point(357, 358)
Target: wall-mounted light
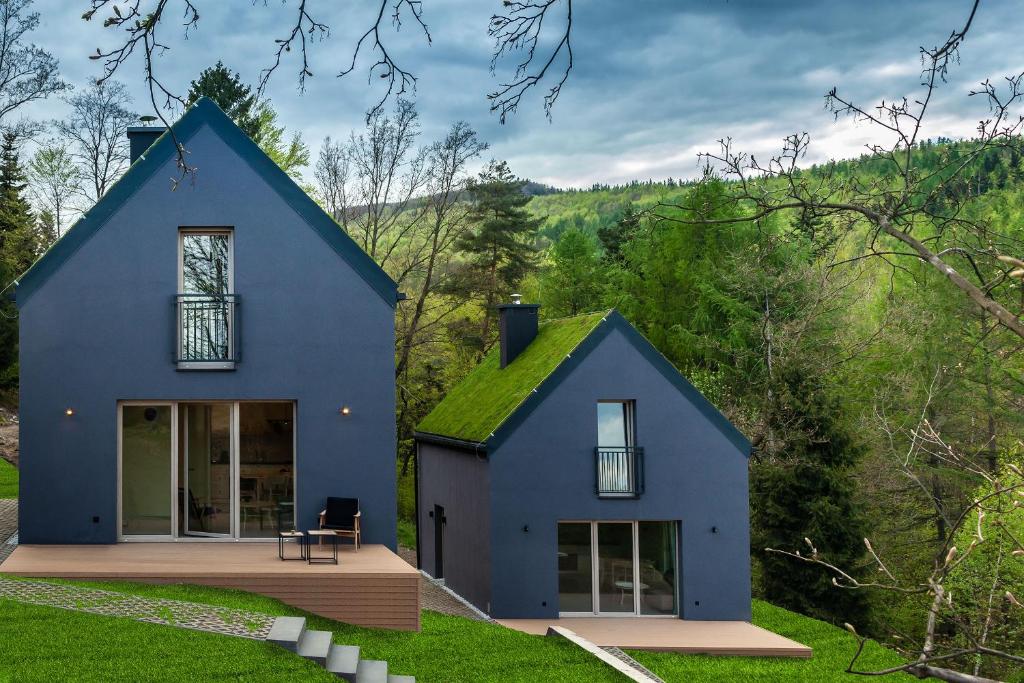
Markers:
point(69, 412)
point(714, 529)
point(345, 410)
point(526, 528)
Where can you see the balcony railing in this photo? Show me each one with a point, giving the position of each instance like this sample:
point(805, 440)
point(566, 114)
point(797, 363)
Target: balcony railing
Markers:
point(207, 331)
point(619, 471)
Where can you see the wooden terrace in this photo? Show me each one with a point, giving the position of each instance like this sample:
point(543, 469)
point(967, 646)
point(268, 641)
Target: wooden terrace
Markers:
point(369, 587)
point(671, 635)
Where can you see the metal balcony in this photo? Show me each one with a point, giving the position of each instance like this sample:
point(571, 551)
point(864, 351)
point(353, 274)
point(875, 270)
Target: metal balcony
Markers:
point(206, 331)
point(619, 472)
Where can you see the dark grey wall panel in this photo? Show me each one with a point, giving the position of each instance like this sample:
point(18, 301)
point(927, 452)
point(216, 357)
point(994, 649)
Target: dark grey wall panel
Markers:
point(544, 472)
point(458, 481)
point(99, 330)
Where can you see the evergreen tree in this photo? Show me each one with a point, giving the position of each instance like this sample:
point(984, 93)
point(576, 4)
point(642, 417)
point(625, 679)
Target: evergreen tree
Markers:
point(256, 118)
point(807, 491)
point(19, 247)
point(500, 251)
point(19, 241)
point(572, 284)
point(229, 93)
point(614, 236)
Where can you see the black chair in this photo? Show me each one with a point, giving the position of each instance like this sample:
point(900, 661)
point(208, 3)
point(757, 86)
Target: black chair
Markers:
point(342, 516)
point(198, 512)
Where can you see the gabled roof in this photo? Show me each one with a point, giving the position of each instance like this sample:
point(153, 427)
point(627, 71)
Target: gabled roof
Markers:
point(487, 406)
point(205, 111)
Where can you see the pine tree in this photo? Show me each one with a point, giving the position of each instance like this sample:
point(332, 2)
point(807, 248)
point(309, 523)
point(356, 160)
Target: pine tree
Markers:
point(614, 237)
point(572, 284)
point(229, 93)
point(807, 492)
point(19, 247)
point(19, 241)
point(256, 118)
point(500, 252)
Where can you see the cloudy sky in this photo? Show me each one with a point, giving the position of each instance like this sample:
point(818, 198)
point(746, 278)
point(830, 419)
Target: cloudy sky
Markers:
point(655, 81)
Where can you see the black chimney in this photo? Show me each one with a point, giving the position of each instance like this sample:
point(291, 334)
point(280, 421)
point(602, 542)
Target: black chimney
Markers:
point(140, 138)
point(517, 328)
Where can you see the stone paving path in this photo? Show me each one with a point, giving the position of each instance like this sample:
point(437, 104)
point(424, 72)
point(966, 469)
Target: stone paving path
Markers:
point(436, 598)
point(223, 620)
point(643, 670)
point(8, 525)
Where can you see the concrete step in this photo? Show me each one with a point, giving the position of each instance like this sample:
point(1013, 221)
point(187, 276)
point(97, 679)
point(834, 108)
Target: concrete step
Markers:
point(609, 659)
point(372, 671)
point(343, 661)
point(286, 632)
point(315, 646)
point(392, 678)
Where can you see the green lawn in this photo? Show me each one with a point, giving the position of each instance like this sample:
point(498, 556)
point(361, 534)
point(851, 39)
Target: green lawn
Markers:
point(452, 650)
point(448, 649)
point(8, 480)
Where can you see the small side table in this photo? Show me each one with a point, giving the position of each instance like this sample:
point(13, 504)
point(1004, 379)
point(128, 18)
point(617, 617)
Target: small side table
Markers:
point(300, 540)
point(321, 534)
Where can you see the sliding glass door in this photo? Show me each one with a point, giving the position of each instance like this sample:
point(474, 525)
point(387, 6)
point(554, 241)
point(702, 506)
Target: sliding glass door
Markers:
point(223, 469)
point(656, 567)
point(206, 469)
point(146, 473)
point(575, 567)
point(617, 568)
point(266, 467)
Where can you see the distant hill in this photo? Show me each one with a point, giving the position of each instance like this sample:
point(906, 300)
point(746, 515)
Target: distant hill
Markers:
point(999, 170)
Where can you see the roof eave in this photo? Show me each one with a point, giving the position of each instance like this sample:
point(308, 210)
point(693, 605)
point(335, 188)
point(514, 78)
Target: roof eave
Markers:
point(205, 111)
point(451, 442)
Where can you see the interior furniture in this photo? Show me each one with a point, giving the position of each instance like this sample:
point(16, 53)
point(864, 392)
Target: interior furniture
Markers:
point(198, 512)
point(342, 516)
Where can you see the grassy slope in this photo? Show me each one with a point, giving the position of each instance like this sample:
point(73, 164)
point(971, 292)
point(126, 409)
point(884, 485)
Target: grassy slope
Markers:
point(450, 649)
point(48, 644)
point(480, 403)
point(8, 480)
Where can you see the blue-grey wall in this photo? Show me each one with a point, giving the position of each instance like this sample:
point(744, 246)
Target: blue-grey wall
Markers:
point(458, 481)
point(100, 330)
point(544, 472)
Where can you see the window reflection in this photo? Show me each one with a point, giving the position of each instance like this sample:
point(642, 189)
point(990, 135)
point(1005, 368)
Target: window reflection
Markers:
point(612, 424)
point(266, 469)
point(204, 263)
point(657, 549)
point(575, 568)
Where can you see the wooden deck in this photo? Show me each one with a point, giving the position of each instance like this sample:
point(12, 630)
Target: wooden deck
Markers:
point(371, 587)
point(671, 635)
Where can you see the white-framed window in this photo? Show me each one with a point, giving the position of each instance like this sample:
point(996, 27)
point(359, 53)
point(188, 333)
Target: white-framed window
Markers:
point(205, 258)
point(615, 424)
point(205, 303)
point(619, 463)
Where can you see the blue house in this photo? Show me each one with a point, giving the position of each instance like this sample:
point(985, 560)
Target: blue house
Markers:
point(206, 362)
point(575, 472)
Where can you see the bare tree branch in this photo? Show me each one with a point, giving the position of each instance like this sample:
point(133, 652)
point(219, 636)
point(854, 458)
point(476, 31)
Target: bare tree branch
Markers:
point(519, 31)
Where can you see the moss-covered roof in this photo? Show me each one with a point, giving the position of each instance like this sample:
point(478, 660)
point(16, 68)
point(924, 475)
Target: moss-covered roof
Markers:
point(479, 404)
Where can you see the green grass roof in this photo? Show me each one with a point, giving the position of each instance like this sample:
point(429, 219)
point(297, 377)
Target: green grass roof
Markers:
point(479, 404)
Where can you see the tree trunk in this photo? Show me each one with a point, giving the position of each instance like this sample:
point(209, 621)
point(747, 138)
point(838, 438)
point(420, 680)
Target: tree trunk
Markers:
point(410, 333)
